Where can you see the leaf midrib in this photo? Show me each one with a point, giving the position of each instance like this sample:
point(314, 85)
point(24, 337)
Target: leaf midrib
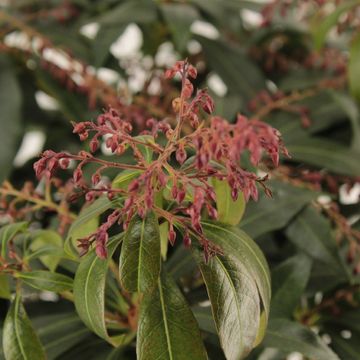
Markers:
point(18, 339)
point(140, 255)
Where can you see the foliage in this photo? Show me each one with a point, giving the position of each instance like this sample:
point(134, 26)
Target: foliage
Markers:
point(190, 228)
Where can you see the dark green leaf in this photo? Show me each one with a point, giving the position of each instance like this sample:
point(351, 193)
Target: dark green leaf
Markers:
point(20, 341)
point(10, 117)
point(271, 214)
point(242, 248)
point(179, 18)
point(89, 288)
point(311, 232)
point(290, 336)
point(140, 256)
point(326, 154)
point(46, 280)
point(289, 280)
point(235, 302)
point(4, 287)
point(167, 328)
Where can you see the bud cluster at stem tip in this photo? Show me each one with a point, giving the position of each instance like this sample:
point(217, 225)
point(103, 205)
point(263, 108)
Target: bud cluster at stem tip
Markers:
point(199, 147)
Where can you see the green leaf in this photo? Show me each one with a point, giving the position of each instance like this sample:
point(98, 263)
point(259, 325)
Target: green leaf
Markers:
point(321, 28)
point(86, 223)
point(89, 289)
point(229, 211)
point(289, 280)
point(239, 74)
point(50, 239)
point(311, 232)
point(5, 292)
point(167, 328)
point(239, 246)
point(234, 300)
point(123, 180)
point(354, 67)
point(140, 256)
point(179, 18)
point(290, 336)
point(46, 280)
point(325, 154)
point(8, 232)
point(20, 341)
point(164, 240)
point(271, 214)
point(10, 117)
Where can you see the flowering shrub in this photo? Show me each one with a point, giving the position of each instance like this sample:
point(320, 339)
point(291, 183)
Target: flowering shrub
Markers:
point(199, 209)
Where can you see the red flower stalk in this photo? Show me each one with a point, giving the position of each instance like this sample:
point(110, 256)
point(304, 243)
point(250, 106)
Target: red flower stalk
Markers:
point(217, 152)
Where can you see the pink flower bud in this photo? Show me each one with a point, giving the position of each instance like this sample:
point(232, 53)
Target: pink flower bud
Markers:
point(94, 145)
point(187, 240)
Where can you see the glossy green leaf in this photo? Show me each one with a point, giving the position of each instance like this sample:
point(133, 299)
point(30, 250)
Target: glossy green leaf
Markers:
point(354, 67)
point(289, 280)
point(50, 239)
point(46, 280)
point(8, 232)
point(167, 328)
point(140, 256)
point(321, 29)
point(229, 211)
point(326, 154)
point(242, 248)
point(179, 18)
point(235, 302)
point(290, 336)
point(10, 117)
point(86, 223)
point(20, 342)
point(311, 232)
point(271, 214)
point(5, 292)
point(89, 289)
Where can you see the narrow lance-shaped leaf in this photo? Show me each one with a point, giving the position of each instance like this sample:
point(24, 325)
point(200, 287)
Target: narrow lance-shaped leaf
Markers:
point(20, 341)
point(235, 302)
point(167, 328)
point(290, 336)
point(140, 254)
point(46, 280)
point(89, 289)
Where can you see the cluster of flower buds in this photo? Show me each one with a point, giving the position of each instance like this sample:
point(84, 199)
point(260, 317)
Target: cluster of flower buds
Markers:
point(183, 180)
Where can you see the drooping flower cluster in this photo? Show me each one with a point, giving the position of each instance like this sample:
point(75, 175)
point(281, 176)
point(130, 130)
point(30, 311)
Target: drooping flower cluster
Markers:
point(182, 180)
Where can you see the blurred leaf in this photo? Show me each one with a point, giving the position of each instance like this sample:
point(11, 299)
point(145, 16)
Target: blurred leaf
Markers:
point(323, 26)
point(89, 288)
point(235, 302)
point(20, 341)
point(180, 263)
point(10, 117)
point(352, 111)
point(346, 348)
point(311, 232)
point(164, 239)
point(46, 280)
point(325, 154)
point(86, 223)
point(140, 254)
point(167, 328)
point(48, 238)
point(229, 211)
point(123, 180)
point(239, 74)
point(137, 11)
point(290, 337)
point(289, 280)
point(5, 292)
point(271, 214)
point(8, 232)
point(204, 318)
point(354, 66)
point(179, 18)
